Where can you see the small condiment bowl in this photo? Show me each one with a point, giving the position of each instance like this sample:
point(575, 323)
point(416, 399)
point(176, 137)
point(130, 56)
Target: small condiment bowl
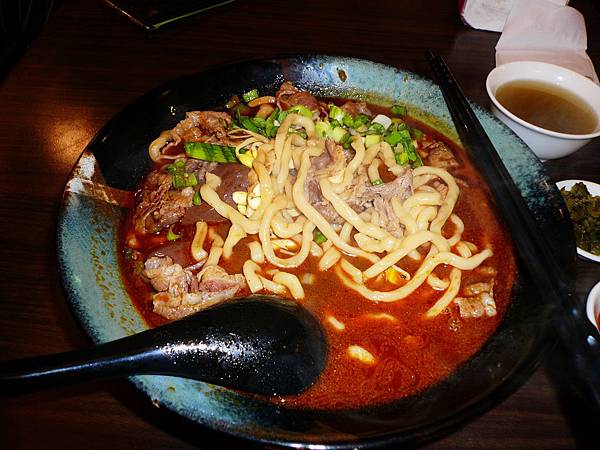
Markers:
point(546, 144)
point(593, 305)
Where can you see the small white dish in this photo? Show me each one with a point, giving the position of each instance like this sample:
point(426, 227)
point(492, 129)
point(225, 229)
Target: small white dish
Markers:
point(546, 144)
point(594, 189)
point(593, 304)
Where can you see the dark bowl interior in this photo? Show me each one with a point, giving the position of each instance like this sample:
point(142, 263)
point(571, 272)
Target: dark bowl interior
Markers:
point(120, 150)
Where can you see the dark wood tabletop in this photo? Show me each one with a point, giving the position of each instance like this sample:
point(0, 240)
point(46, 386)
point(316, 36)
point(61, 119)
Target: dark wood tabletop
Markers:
point(85, 66)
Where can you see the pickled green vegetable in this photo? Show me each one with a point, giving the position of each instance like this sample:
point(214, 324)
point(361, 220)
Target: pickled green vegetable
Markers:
point(584, 209)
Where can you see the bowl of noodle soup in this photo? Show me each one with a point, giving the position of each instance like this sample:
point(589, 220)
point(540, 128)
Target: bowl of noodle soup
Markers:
point(306, 178)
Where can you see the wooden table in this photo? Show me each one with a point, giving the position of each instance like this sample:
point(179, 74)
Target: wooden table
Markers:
point(89, 63)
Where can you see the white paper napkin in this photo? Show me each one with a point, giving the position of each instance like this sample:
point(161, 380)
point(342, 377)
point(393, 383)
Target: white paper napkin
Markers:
point(539, 30)
point(489, 15)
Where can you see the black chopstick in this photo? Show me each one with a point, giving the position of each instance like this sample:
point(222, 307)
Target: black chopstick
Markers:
point(552, 280)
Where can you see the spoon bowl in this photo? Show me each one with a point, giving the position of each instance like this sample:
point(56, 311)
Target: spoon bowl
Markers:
point(258, 344)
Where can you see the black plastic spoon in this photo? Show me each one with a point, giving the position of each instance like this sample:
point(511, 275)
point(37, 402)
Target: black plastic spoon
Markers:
point(259, 344)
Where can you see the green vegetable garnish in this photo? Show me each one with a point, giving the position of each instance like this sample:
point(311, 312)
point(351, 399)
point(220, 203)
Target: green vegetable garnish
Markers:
point(270, 127)
point(372, 139)
point(375, 128)
point(339, 134)
point(322, 128)
point(182, 180)
point(361, 119)
point(393, 138)
point(179, 177)
point(302, 110)
point(336, 113)
point(171, 236)
point(399, 137)
point(281, 116)
point(177, 166)
point(319, 237)
point(250, 95)
point(416, 133)
point(259, 122)
point(249, 124)
point(197, 200)
point(584, 210)
point(210, 152)
point(377, 182)
point(399, 110)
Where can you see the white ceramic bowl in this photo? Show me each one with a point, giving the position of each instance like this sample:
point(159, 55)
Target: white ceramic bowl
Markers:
point(593, 305)
point(594, 189)
point(545, 144)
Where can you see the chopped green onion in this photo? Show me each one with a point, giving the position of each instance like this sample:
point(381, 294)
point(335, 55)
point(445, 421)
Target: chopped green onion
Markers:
point(259, 122)
point(399, 110)
point(177, 180)
point(319, 237)
point(171, 236)
point(270, 127)
point(372, 139)
point(416, 133)
point(177, 166)
point(393, 138)
point(322, 128)
point(348, 121)
point(338, 134)
point(197, 200)
point(336, 113)
point(346, 139)
point(210, 152)
point(361, 119)
point(302, 110)
point(377, 182)
point(382, 120)
point(190, 179)
point(248, 124)
point(376, 128)
point(406, 153)
point(182, 180)
point(250, 95)
point(281, 116)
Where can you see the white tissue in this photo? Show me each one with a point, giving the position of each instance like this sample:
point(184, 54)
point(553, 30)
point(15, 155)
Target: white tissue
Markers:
point(490, 15)
point(538, 30)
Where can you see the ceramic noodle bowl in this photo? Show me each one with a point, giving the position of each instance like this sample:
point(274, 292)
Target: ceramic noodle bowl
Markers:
point(117, 158)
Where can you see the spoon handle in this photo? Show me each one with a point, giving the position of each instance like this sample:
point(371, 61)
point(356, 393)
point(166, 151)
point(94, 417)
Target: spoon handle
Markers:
point(110, 360)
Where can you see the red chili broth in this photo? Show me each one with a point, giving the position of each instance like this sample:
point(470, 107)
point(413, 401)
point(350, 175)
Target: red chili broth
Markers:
point(412, 353)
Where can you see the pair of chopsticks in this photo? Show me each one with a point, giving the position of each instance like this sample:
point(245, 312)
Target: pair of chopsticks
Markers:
point(552, 281)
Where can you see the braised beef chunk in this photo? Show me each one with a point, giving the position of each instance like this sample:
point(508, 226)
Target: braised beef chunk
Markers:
point(356, 108)
point(330, 163)
point(288, 95)
point(437, 154)
point(361, 194)
point(364, 195)
point(181, 293)
point(204, 126)
point(159, 205)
